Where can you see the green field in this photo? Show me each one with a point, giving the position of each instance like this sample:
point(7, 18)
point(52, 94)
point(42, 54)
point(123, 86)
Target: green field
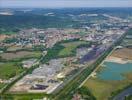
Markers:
point(100, 87)
point(26, 96)
point(126, 42)
point(70, 47)
point(14, 48)
point(2, 85)
point(128, 97)
point(10, 69)
point(20, 55)
point(64, 49)
point(82, 33)
point(8, 32)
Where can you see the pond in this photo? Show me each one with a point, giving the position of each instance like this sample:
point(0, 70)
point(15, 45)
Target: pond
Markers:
point(114, 71)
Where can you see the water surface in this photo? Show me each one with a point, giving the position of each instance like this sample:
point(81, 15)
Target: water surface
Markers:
point(114, 71)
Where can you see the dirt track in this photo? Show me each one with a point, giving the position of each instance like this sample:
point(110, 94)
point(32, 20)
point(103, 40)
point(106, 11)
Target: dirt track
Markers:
point(124, 53)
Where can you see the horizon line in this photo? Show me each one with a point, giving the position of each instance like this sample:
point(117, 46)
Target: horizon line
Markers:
point(66, 7)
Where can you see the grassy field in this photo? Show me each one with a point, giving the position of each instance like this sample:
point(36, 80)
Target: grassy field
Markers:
point(70, 47)
point(9, 32)
point(127, 42)
point(82, 33)
point(2, 85)
point(64, 49)
point(9, 70)
point(14, 48)
point(26, 96)
point(101, 87)
point(20, 55)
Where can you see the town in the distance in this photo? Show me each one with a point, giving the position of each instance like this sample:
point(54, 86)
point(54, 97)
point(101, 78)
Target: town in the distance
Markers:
point(66, 54)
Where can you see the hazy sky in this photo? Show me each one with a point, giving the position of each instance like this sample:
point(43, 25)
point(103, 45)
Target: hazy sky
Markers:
point(65, 3)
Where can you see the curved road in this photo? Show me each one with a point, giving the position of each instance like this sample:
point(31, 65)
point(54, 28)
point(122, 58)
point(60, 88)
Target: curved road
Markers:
point(121, 96)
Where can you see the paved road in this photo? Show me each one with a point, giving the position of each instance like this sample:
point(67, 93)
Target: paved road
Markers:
point(121, 96)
